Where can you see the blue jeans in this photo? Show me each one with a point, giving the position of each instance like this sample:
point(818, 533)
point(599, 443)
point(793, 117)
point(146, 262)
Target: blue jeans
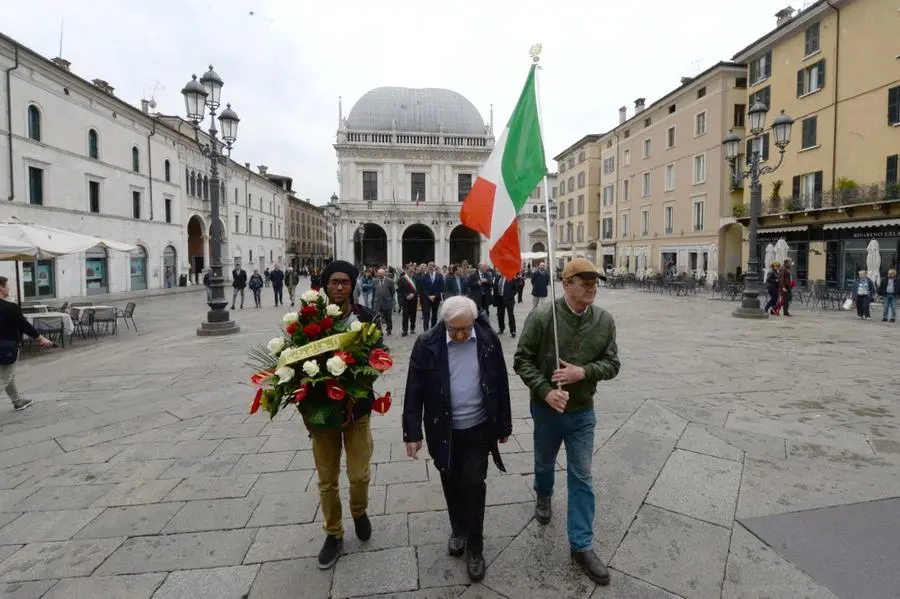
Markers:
point(890, 303)
point(576, 430)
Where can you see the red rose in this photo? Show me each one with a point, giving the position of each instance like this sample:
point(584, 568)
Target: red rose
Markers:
point(254, 405)
point(261, 377)
point(301, 393)
point(292, 328)
point(380, 360)
point(334, 391)
point(347, 358)
point(308, 311)
point(326, 323)
point(312, 330)
point(382, 404)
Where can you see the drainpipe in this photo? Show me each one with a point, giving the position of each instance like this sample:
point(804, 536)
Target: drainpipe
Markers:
point(150, 166)
point(12, 179)
point(837, 59)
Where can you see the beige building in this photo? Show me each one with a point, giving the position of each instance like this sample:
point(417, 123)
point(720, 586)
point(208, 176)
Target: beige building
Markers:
point(578, 188)
point(307, 236)
point(664, 201)
point(835, 68)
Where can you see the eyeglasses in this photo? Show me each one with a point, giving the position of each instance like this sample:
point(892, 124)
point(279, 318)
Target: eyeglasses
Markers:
point(339, 283)
point(467, 329)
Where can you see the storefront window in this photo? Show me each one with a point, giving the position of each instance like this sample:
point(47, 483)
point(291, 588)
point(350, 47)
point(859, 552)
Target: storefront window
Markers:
point(856, 257)
point(95, 271)
point(170, 270)
point(38, 280)
point(138, 267)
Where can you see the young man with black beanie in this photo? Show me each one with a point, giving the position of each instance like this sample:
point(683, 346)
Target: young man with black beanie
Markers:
point(338, 280)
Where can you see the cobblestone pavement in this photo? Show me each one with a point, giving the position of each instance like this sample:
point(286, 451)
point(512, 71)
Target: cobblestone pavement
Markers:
point(139, 474)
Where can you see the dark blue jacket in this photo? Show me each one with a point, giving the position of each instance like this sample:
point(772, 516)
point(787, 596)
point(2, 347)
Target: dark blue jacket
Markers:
point(436, 289)
point(540, 281)
point(428, 390)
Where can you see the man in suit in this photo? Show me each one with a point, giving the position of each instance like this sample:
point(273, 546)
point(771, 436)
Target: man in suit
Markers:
point(505, 291)
point(540, 283)
point(432, 284)
point(239, 283)
point(276, 277)
point(383, 299)
point(409, 297)
point(455, 284)
point(481, 283)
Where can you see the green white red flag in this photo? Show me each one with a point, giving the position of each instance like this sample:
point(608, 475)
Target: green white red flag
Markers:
point(511, 173)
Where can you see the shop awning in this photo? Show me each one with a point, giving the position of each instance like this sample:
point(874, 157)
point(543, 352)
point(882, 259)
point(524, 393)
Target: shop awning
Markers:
point(864, 224)
point(789, 229)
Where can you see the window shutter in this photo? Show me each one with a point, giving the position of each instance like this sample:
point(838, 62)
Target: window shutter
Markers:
point(818, 184)
point(768, 70)
point(800, 86)
point(821, 67)
point(765, 147)
point(754, 71)
point(814, 130)
point(894, 105)
point(749, 154)
point(892, 168)
point(795, 190)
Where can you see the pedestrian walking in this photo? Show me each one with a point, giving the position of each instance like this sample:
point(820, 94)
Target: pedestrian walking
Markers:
point(207, 282)
point(409, 297)
point(562, 400)
point(432, 289)
point(256, 284)
point(276, 277)
point(383, 299)
point(291, 280)
point(889, 289)
point(863, 290)
point(239, 283)
point(540, 282)
point(461, 357)
point(505, 301)
point(13, 325)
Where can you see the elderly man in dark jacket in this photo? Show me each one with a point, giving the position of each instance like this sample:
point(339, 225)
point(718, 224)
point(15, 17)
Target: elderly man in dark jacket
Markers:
point(457, 376)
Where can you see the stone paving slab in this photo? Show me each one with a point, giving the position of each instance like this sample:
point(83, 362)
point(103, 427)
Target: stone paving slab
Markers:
point(137, 586)
point(172, 448)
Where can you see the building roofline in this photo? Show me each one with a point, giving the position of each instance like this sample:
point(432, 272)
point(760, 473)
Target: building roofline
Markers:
point(802, 17)
point(721, 65)
point(590, 137)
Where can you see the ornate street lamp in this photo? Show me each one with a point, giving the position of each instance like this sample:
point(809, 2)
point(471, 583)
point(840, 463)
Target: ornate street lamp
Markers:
point(781, 130)
point(362, 240)
point(198, 96)
point(333, 211)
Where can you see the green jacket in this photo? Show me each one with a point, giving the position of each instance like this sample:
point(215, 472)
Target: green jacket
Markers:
point(588, 341)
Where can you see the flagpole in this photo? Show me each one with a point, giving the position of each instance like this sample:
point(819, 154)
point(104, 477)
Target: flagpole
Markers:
point(536, 58)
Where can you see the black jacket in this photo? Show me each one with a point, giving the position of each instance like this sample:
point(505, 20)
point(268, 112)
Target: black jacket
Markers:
point(277, 277)
point(13, 323)
point(239, 278)
point(428, 390)
point(882, 287)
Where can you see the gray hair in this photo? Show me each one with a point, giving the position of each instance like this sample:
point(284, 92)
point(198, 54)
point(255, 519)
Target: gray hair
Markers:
point(456, 306)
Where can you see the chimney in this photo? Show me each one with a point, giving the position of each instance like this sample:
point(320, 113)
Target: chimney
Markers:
point(262, 169)
point(639, 105)
point(145, 106)
point(247, 165)
point(686, 80)
point(103, 85)
point(623, 114)
point(62, 63)
point(783, 16)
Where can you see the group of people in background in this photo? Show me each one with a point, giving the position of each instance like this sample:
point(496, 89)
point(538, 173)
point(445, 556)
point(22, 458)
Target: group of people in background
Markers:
point(276, 278)
point(864, 291)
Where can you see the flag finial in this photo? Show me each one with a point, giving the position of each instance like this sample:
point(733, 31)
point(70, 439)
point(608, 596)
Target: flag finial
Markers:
point(535, 52)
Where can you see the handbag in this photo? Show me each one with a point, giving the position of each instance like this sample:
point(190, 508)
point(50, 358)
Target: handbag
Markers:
point(9, 352)
point(848, 303)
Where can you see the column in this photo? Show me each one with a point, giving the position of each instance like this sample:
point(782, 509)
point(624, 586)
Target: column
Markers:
point(393, 258)
point(441, 254)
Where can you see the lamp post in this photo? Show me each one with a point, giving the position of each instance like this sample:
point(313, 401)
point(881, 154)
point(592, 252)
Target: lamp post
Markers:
point(333, 210)
point(362, 240)
point(781, 130)
point(198, 96)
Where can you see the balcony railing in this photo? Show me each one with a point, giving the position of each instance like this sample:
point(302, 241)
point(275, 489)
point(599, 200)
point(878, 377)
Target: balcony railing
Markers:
point(835, 199)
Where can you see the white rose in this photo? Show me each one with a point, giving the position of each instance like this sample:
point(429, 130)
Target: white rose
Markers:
point(310, 297)
point(284, 374)
point(355, 326)
point(336, 366)
point(333, 310)
point(311, 368)
point(289, 318)
point(275, 345)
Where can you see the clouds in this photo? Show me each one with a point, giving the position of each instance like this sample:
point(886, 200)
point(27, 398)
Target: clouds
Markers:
point(285, 65)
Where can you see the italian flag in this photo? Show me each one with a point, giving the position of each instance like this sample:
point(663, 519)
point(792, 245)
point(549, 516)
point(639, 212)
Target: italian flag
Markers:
point(511, 173)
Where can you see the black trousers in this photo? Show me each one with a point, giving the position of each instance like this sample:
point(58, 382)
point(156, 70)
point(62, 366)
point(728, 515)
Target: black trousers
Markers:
point(486, 304)
point(506, 309)
point(464, 486)
point(388, 316)
point(278, 288)
point(788, 296)
point(409, 315)
point(430, 312)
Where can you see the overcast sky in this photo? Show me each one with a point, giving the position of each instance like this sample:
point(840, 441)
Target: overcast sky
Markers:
point(285, 62)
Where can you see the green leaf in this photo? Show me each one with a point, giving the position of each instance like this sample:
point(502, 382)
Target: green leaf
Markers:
point(319, 415)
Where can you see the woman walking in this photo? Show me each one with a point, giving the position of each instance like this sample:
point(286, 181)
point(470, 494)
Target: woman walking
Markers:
point(256, 284)
point(772, 288)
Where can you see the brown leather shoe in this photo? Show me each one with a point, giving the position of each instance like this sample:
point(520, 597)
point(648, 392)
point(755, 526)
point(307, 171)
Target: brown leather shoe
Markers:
point(592, 566)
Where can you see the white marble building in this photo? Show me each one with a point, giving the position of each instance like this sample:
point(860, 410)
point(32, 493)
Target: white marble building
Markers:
point(76, 157)
point(406, 160)
point(533, 219)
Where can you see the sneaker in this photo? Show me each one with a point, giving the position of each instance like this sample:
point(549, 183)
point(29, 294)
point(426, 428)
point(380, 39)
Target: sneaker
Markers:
point(363, 527)
point(592, 566)
point(330, 552)
point(542, 510)
point(22, 404)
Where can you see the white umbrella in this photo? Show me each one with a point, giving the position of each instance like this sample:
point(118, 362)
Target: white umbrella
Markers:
point(873, 261)
point(768, 260)
point(49, 242)
point(781, 251)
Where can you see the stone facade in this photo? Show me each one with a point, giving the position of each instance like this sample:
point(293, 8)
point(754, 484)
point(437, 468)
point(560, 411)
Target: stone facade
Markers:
point(307, 235)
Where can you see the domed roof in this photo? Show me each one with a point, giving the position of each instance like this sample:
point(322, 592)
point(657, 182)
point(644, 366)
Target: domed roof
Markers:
point(415, 111)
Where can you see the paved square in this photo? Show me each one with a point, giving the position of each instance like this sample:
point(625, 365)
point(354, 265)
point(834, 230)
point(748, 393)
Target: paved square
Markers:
point(138, 472)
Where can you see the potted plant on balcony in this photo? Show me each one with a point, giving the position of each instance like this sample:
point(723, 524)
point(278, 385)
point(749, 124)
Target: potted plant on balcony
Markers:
point(847, 190)
point(775, 198)
point(893, 191)
point(739, 210)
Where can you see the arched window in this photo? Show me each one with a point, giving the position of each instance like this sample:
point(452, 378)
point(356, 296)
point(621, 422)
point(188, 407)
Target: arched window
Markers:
point(93, 144)
point(205, 188)
point(187, 181)
point(167, 171)
point(235, 195)
point(34, 123)
point(193, 184)
point(135, 159)
point(534, 209)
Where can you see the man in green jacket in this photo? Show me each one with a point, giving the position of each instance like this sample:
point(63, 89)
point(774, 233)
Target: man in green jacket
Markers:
point(562, 400)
